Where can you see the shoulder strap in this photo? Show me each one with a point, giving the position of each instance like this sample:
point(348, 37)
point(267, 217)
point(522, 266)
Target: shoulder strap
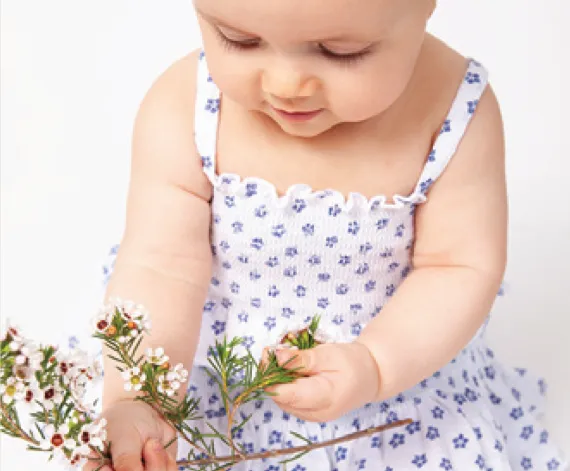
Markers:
point(206, 117)
point(454, 126)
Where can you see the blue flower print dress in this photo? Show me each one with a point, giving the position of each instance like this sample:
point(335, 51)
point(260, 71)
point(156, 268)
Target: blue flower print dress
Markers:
point(279, 260)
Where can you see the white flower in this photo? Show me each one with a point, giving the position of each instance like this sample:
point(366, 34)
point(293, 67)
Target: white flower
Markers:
point(134, 379)
point(30, 355)
point(50, 396)
point(32, 391)
point(13, 334)
point(127, 309)
point(171, 381)
point(78, 393)
point(167, 386)
point(137, 314)
point(145, 322)
point(13, 390)
point(22, 372)
point(180, 374)
point(65, 368)
point(77, 370)
point(102, 321)
point(82, 367)
point(156, 357)
point(57, 438)
point(79, 457)
point(94, 434)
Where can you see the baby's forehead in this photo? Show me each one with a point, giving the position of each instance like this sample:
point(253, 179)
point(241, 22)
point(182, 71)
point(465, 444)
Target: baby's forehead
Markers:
point(308, 19)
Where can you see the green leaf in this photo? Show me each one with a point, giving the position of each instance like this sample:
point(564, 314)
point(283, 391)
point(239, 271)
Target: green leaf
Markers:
point(137, 345)
point(40, 431)
point(174, 439)
point(225, 465)
point(245, 421)
point(34, 448)
point(218, 435)
point(295, 457)
point(300, 437)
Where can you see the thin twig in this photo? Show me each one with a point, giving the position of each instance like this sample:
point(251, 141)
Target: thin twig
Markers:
point(299, 449)
point(15, 427)
point(230, 412)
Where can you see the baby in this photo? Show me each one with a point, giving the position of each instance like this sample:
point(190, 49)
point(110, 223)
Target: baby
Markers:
point(327, 158)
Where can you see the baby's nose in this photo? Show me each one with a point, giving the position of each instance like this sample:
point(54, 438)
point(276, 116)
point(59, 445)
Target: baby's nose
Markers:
point(288, 84)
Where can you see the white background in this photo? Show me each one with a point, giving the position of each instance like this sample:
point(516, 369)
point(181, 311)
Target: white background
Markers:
point(73, 74)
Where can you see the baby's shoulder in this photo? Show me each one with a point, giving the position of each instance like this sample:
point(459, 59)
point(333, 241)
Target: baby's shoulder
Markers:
point(164, 127)
point(177, 84)
point(440, 73)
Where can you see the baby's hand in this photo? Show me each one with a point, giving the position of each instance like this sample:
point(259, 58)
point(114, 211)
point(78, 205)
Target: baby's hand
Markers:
point(340, 377)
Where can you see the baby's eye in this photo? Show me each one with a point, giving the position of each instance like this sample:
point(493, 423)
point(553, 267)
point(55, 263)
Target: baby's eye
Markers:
point(346, 57)
point(238, 43)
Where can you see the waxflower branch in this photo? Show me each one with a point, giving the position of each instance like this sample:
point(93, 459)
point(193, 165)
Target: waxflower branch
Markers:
point(51, 388)
point(53, 385)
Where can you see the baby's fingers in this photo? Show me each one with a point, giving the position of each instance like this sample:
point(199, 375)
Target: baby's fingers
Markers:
point(155, 457)
point(312, 393)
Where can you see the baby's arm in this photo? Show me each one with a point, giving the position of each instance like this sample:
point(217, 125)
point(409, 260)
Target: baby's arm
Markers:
point(458, 262)
point(164, 260)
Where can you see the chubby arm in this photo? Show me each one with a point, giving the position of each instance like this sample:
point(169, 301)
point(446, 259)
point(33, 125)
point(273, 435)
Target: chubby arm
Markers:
point(458, 262)
point(164, 260)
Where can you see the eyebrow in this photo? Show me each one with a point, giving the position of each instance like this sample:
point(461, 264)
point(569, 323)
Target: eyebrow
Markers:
point(338, 38)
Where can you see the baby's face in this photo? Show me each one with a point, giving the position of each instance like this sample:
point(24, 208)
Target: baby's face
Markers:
point(324, 61)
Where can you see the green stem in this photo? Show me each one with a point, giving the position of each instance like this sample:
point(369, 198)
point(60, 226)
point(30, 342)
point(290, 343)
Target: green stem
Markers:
point(17, 430)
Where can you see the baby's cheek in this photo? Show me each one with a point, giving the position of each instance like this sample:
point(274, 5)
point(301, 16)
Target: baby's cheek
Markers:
point(237, 87)
point(360, 97)
point(354, 103)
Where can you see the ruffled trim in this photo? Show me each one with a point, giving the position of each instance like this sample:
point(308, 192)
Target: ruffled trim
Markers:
point(231, 183)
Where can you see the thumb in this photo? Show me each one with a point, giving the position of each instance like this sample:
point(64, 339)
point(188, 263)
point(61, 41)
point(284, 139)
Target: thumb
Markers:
point(155, 457)
point(126, 453)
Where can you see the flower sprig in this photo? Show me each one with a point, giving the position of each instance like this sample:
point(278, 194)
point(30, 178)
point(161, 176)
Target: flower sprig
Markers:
point(53, 385)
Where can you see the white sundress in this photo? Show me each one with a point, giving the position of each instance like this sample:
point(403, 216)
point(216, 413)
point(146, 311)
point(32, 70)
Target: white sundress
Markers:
point(280, 260)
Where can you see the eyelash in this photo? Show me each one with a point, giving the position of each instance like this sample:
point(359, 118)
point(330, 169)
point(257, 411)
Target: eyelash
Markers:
point(346, 59)
point(239, 45)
